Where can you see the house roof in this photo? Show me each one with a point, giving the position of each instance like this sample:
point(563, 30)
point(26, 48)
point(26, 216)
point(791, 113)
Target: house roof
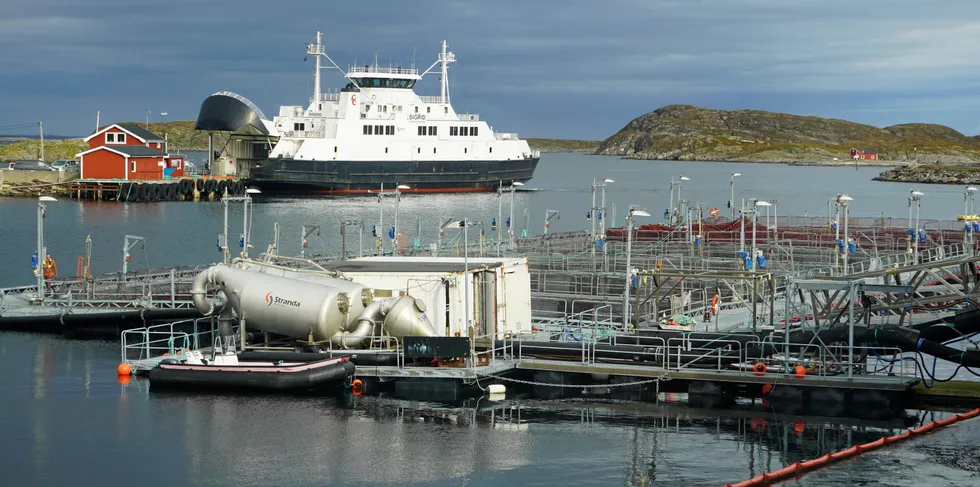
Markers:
point(138, 151)
point(140, 132)
point(127, 151)
point(132, 129)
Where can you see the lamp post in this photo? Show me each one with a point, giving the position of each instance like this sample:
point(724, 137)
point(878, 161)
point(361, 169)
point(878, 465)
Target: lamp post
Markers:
point(510, 221)
point(42, 251)
point(602, 219)
point(843, 200)
point(500, 213)
point(464, 224)
point(731, 201)
point(398, 198)
point(755, 217)
point(968, 209)
point(915, 196)
point(678, 184)
point(630, 217)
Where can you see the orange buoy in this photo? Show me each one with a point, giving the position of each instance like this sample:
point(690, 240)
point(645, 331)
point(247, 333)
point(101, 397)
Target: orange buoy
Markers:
point(124, 379)
point(759, 368)
point(357, 387)
point(800, 371)
point(124, 369)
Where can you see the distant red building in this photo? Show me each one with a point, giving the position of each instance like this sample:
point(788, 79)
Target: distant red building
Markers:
point(129, 152)
point(864, 154)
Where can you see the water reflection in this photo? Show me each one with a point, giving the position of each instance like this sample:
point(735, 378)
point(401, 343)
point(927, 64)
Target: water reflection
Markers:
point(67, 416)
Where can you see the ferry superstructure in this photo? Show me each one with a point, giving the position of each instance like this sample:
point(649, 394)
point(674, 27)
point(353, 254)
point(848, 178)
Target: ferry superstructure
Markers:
point(377, 130)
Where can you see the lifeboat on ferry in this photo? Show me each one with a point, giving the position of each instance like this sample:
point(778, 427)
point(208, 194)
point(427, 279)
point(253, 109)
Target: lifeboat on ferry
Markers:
point(192, 370)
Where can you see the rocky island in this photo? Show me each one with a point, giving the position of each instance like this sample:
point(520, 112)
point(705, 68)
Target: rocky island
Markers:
point(690, 133)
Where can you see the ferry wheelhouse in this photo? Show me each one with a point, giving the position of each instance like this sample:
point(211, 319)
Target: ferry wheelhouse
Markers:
point(376, 130)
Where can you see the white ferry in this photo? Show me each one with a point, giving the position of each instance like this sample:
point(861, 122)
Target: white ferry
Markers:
point(376, 130)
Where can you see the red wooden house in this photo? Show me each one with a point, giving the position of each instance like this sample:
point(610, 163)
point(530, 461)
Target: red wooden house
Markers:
point(869, 154)
point(130, 152)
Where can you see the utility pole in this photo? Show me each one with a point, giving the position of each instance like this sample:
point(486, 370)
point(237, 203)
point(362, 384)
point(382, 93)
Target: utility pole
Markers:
point(40, 126)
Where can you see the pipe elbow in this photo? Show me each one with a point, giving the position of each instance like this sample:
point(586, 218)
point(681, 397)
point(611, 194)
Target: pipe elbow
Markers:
point(198, 292)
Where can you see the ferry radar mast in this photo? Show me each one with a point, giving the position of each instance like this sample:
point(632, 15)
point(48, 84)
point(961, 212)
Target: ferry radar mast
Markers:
point(317, 50)
point(445, 57)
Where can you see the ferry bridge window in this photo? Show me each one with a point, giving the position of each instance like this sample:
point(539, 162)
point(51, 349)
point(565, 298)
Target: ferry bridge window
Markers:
point(367, 130)
point(428, 109)
point(432, 130)
point(421, 130)
point(463, 131)
point(473, 131)
point(378, 129)
point(385, 83)
point(390, 130)
point(453, 131)
point(416, 109)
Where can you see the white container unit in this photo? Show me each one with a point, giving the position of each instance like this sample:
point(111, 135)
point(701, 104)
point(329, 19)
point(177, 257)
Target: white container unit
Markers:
point(499, 288)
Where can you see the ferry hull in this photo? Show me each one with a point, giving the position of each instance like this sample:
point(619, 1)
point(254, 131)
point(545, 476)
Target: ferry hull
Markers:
point(293, 176)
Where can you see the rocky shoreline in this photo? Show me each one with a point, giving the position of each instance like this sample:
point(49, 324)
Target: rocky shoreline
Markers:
point(931, 174)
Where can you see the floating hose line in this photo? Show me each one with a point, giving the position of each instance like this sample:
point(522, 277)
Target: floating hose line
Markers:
point(799, 468)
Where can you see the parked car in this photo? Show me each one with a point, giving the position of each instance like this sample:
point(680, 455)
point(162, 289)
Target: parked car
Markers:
point(65, 165)
point(32, 165)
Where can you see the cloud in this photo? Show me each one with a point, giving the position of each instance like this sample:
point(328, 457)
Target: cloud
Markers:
point(535, 66)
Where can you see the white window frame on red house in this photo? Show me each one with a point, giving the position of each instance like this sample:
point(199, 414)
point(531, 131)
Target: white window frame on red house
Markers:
point(132, 166)
point(117, 138)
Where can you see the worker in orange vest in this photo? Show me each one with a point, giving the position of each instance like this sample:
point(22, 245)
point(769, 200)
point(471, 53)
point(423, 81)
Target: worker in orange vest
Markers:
point(50, 267)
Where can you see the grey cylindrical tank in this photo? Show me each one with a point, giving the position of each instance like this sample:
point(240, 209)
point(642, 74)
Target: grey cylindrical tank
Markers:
point(360, 296)
point(287, 306)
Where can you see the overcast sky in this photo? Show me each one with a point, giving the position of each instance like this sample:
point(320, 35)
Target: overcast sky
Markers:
point(568, 69)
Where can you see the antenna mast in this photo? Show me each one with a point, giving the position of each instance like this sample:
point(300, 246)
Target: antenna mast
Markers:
point(445, 58)
point(316, 50)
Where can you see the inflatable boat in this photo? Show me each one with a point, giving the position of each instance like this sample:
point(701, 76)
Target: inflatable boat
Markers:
point(192, 370)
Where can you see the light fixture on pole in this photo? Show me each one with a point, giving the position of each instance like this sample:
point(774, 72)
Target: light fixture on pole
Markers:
point(500, 214)
point(755, 217)
point(681, 179)
point(42, 251)
point(914, 232)
point(630, 217)
point(731, 201)
point(602, 219)
point(464, 224)
point(845, 244)
point(969, 217)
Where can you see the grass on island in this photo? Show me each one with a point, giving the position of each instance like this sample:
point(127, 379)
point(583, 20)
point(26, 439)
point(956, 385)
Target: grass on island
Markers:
point(562, 145)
